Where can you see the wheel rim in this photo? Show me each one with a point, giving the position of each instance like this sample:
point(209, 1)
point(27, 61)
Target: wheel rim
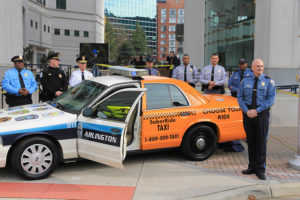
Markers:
point(36, 159)
point(200, 143)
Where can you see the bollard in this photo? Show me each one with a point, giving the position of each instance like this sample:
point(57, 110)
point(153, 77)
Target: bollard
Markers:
point(295, 163)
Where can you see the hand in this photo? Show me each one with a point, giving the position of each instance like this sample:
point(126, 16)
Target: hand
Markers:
point(58, 93)
point(252, 113)
point(23, 92)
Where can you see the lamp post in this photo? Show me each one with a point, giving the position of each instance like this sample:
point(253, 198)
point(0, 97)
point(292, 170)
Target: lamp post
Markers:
point(295, 163)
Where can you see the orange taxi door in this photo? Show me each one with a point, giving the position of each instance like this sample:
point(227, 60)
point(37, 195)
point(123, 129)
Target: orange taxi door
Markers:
point(163, 128)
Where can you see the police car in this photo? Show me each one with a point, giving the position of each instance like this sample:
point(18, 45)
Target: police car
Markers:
point(103, 118)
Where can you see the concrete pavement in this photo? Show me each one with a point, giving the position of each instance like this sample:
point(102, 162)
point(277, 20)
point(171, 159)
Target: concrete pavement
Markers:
point(168, 176)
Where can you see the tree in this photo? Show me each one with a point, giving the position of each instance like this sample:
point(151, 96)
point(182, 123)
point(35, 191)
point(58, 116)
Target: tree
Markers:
point(138, 40)
point(126, 50)
point(28, 54)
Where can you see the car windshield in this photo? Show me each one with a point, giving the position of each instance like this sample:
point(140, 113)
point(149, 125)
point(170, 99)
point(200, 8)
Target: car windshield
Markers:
point(80, 95)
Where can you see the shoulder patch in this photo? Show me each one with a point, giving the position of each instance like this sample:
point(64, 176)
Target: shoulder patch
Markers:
point(272, 82)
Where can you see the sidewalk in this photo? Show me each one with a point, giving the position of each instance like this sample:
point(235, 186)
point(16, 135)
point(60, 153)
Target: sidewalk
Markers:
point(167, 175)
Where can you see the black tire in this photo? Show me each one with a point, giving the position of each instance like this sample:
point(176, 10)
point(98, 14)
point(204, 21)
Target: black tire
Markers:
point(35, 158)
point(199, 143)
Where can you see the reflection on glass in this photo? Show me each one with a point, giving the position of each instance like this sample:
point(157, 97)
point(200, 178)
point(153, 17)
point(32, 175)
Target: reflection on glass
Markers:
point(229, 30)
point(124, 14)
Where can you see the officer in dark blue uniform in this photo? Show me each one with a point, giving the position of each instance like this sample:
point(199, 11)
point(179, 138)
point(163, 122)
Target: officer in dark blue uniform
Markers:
point(255, 96)
point(19, 83)
point(238, 76)
point(53, 79)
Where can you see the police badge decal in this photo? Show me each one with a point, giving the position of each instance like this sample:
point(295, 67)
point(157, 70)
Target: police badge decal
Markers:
point(79, 130)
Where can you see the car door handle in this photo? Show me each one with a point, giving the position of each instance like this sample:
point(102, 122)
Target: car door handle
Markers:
point(115, 130)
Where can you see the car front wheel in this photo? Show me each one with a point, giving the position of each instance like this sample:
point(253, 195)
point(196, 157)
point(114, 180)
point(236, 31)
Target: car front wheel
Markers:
point(34, 158)
point(199, 143)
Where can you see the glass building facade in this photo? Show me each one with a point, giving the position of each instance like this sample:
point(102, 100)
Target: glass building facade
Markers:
point(123, 14)
point(229, 30)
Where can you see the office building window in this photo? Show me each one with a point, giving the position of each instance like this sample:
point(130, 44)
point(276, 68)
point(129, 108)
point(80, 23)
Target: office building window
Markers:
point(76, 33)
point(162, 42)
point(86, 34)
point(162, 35)
point(163, 28)
point(180, 20)
point(172, 20)
point(31, 23)
point(163, 20)
point(172, 28)
point(172, 37)
point(56, 31)
point(162, 55)
point(36, 25)
point(163, 12)
point(172, 43)
point(45, 27)
point(67, 32)
point(180, 16)
point(172, 49)
point(48, 29)
point(61, 4)
point(162, 49)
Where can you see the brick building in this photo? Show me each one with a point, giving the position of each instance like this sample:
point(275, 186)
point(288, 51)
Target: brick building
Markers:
point(169, 13)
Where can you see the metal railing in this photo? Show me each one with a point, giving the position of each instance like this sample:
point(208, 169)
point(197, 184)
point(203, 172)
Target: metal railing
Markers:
point(292, 88)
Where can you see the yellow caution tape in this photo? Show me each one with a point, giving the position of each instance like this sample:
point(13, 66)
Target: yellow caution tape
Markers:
point(105, 65)
point(289, 93)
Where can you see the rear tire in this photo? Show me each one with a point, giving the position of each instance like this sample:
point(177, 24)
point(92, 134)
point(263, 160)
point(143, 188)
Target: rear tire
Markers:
point(199, 143)
point(35, 158)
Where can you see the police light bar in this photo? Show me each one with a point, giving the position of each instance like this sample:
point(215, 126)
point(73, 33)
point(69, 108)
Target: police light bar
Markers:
point(126, 71)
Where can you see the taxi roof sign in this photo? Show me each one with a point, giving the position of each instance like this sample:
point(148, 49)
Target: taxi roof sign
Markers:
point(126, 71)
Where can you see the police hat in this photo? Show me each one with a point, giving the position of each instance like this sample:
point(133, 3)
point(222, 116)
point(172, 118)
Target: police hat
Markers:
point(149, 58)
point(242, 61)
point(54, 55)
point(18, 58)
point(81, 59)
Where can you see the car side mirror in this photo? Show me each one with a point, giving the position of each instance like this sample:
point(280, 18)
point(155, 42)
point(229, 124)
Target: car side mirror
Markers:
point(87, 112)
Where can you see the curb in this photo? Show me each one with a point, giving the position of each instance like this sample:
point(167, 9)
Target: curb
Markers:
point(260, 191)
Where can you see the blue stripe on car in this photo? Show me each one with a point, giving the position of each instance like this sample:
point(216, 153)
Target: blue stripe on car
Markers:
point(44, 128)
point(102, 128)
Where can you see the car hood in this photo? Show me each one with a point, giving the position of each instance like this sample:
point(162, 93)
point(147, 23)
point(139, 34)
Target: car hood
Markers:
point(221, 100)
point(35, 117)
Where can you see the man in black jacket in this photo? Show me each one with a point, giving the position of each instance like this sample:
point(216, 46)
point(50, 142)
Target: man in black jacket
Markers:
point(173, 61)
point(53, 79)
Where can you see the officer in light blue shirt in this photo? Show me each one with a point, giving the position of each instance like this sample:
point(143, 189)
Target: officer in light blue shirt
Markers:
point(237, 77)
point(149, 66)
point(255, 96)
point(19, 83)
point(186, 72)
point(213, 77)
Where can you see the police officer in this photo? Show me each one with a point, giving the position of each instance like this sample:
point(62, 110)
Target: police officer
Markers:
point(149, 66)
point(237, 77)
point(213, 77)
point(81, 74)
point(53, 79)
point(19, 83)
point(186, 72)
point(255, 96)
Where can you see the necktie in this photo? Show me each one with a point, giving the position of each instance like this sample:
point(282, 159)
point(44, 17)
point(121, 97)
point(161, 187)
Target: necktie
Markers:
point(254, 93)
point(82, 76)
point(242, 75)
point(149, 71)
point(185, 78)
point(212, 74)
point(21, 79)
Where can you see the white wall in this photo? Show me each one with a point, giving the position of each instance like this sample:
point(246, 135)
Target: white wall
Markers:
point(194, 29)
point(276, 38)
point(11, 32)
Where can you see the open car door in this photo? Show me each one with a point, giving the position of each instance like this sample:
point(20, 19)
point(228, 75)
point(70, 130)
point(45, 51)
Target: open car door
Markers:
point(101, 130)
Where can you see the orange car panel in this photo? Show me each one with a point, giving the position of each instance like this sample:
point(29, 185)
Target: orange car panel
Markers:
point(165, 128)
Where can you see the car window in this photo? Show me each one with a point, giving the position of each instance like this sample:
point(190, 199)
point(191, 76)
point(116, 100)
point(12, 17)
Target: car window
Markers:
point(164, 96)
point(116, 107)
point(178, 99)
point(158, 96)
point(80, 95)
